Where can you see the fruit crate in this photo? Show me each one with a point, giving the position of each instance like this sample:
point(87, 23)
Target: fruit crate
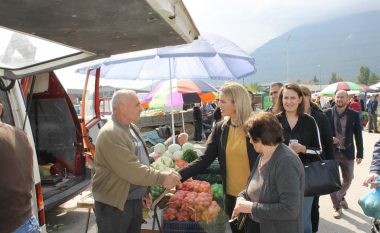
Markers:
point(181, 227)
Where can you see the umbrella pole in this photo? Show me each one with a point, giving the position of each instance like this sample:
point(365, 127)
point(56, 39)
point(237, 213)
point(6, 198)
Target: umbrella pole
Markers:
point(183, 122)
point(171, 98)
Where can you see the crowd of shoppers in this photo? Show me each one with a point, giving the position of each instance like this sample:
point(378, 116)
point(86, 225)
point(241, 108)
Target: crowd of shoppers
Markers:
point(261, 155)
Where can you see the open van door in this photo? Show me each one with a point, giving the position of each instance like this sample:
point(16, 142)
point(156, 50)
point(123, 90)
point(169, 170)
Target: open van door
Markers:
point(38, 37)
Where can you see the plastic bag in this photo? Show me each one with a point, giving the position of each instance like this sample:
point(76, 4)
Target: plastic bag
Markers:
point(370, 202)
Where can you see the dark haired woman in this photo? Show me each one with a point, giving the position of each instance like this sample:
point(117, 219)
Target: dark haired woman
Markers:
point(300, 133)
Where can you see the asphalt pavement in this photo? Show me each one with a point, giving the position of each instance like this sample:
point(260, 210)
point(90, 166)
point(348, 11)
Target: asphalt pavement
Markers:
point(67, 218)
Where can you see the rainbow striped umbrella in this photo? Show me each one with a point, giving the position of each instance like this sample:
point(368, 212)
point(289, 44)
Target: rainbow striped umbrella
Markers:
point(184, 91)
point(347, 86)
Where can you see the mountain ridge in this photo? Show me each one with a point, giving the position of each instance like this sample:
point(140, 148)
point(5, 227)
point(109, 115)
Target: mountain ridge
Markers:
point(340, 45)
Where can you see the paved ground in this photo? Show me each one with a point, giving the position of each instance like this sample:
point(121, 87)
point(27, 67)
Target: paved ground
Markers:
point(68, 218)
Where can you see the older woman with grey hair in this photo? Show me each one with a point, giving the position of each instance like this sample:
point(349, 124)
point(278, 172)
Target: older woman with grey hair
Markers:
point(273, 197)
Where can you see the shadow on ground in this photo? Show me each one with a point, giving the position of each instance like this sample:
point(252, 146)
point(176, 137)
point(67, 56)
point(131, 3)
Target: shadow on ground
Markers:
point(325, 226)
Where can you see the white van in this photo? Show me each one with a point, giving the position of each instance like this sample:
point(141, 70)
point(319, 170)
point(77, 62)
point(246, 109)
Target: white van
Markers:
point(41, 36)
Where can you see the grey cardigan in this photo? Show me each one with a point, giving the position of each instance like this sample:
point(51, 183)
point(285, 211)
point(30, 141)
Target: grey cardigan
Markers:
point(281, 200)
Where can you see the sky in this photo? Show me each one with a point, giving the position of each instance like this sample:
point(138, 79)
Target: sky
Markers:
point(251, 23)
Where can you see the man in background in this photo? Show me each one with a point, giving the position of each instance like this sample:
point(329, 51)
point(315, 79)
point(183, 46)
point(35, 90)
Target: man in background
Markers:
point(274, 91)
point(16, 190)
point(345, 124)
point(372, 114)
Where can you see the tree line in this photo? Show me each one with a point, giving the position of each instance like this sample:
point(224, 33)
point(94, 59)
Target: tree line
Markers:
point(366, 77)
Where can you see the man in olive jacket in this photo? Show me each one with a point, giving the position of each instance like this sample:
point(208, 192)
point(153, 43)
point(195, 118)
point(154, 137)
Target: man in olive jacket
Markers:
point(122, 171)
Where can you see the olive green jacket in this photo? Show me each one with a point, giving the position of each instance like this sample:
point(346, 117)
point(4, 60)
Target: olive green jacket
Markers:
point(117, 166)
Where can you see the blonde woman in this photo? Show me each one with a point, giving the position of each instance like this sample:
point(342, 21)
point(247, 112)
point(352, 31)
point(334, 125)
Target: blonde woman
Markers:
point(229, 144)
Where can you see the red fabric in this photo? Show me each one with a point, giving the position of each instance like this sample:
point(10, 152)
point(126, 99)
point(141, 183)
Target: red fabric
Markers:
point(355, 106)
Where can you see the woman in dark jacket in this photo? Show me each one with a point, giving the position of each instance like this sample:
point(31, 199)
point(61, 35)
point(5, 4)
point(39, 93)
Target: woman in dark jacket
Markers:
point(327, 145)
point(300, 133)
point(273, 197)
point(229, 144)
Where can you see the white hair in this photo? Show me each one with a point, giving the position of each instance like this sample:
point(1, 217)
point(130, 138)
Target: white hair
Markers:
point(118, 95)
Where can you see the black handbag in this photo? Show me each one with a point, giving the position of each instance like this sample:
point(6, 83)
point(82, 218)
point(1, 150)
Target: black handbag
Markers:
point(321, 177)
point(239, 221)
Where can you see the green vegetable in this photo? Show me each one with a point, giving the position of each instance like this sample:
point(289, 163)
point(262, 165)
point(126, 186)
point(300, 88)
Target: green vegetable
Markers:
point(187, 146)
point(167, 154)
point(211, 178)
point(189, 156)
point(159, 148)
point(166, 161)
point(156, 191)
point(173, 148)
point(214, 167)
point(217, 191)
point(199, 152)
point(177, 155)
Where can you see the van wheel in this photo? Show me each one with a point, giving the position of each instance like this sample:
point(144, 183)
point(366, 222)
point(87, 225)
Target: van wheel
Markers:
point(3, 87)
point(190, 130)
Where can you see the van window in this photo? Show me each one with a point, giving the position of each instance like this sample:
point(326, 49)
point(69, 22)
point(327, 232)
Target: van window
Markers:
point(19, 50)
point(54, 132)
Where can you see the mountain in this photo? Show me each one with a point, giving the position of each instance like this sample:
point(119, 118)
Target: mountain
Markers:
point(339, 45)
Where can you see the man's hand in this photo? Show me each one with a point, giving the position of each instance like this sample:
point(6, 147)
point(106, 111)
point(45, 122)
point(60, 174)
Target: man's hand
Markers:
point(370, 178)
point(242, 206)
point(147, 201)
point(358, 160)
point(171, 179)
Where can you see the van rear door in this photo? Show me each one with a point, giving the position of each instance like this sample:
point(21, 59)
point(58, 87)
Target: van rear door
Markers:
point(58, 140)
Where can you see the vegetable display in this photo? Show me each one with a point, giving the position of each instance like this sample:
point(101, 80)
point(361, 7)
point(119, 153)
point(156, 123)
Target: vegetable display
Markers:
point(192, 202)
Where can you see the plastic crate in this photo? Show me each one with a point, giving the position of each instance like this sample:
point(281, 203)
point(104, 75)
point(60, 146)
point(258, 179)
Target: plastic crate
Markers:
point(191, 227)
point(183, 227)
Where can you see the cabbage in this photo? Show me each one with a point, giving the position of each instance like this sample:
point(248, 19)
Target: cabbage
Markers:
point(167, 154)
point(161, 167)
point(199, 152)
point(187, 146)
point(163, 163)
point(159, 148)
point(154, 155)
point(165, 160)
point(174, 147)
point(177, 155)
